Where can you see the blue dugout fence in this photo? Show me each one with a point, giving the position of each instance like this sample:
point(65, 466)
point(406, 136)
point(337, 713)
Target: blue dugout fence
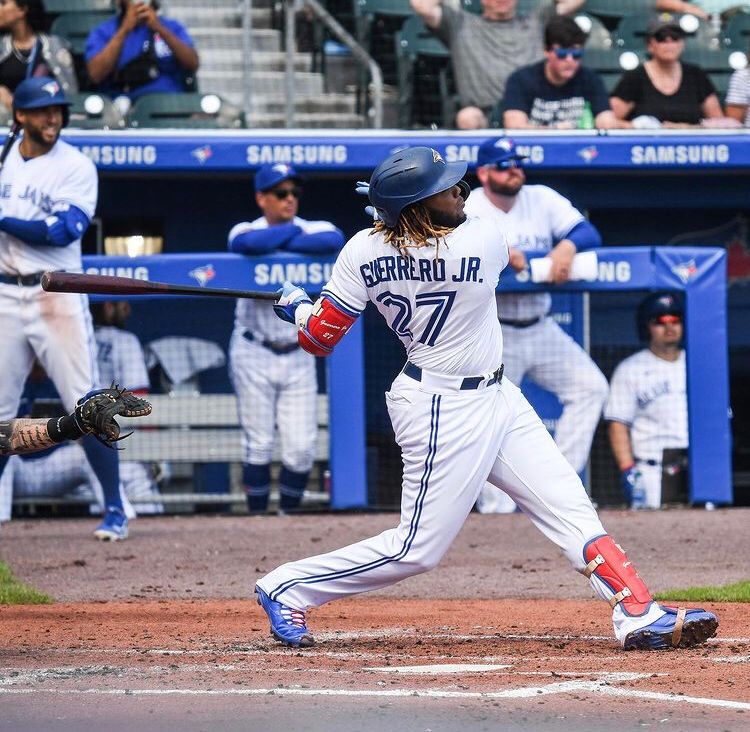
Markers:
point(700, 272)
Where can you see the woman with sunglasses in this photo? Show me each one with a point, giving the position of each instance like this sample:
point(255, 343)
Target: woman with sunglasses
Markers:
point(554, 93)
point(274, 379)
point(665, 92)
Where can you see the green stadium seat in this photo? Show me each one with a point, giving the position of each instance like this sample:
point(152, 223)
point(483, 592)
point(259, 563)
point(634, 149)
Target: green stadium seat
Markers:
point(618, 8)
point(75, 28)
point(631, 33)
point(424, 77)
point(91, 111)
point(184, 111)
point(79, 6)
point(737, 32)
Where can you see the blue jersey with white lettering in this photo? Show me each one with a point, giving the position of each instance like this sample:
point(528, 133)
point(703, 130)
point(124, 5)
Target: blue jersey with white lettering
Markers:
point(34, 190)
point(439, 300)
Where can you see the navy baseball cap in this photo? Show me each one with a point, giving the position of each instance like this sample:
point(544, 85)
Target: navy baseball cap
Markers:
point(272, 174)
point(498, 150)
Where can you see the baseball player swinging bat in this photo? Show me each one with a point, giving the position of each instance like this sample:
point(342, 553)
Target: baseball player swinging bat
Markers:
point(106, 285)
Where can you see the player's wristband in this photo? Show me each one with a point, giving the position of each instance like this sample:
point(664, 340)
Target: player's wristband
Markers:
point(63, 428)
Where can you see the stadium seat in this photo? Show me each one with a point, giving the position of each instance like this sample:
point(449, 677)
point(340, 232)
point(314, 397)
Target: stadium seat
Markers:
point(424, 77)
point(615, 10)
point(90, 111)
point(75, 28)
point(737, 32)
point(184, 110)
point(631, 32)
point(79, 6)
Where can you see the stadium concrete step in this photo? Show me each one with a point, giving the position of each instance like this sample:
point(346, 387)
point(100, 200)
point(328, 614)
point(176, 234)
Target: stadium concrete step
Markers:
point(219, 18)
point(327, 104)
point(223, 60)
point(307, 121)
point(262, 39)
point(225, 83)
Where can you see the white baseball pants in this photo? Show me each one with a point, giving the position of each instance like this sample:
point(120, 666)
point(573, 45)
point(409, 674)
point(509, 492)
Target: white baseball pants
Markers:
point(552, 359)
point(453, 441)
point(275, 390)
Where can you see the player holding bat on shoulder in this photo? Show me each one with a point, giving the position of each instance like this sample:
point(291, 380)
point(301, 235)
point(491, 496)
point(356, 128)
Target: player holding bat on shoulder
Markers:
point(48, 194)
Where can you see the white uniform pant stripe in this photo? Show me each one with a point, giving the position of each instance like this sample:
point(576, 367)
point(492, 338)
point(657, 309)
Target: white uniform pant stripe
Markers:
point(413, 526)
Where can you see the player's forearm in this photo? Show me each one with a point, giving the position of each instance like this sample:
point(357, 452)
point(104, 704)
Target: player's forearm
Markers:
point(583, 236)
point(619, 440)
point(57, 230)
point(318, 243)
point(103, 64)
point(32, 435)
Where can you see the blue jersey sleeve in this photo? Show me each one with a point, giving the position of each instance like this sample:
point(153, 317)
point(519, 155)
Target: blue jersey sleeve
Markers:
point(585, 236)
point(318, 243)
point(57, 230)
point(262, 241)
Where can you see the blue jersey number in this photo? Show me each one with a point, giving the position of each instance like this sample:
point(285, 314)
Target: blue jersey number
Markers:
point(441, 302)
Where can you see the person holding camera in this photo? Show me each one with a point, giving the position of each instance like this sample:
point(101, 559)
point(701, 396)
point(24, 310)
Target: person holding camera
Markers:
point(139, 52)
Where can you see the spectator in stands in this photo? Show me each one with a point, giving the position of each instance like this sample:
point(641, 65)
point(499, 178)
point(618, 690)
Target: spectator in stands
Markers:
point(554, 92)
point(26, 51)
point(486, 49)
point(712, 8)
point(664, 92)
point(738, 97)
point(274, 379)
point(139, 52)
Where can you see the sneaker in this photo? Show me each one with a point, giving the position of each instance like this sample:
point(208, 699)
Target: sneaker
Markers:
point(287, 624)
point(677, 628)
point(114, 527)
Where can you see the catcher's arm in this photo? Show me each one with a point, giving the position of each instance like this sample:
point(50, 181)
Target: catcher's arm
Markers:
point(94, 414)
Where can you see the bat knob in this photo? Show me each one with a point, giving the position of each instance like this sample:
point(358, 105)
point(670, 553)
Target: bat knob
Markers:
point(46, 278)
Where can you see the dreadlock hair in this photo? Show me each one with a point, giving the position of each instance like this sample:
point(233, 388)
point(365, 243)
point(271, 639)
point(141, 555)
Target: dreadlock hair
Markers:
point(412, 230)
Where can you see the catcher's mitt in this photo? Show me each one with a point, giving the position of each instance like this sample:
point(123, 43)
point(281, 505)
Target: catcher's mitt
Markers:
point(95, 413)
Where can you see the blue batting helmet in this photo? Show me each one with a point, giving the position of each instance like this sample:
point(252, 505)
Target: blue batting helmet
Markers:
point(38, 92)
point(412, 175)
point(659, 303)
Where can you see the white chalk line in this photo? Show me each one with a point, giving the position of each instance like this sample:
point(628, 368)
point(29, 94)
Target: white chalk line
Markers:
point(602, 685)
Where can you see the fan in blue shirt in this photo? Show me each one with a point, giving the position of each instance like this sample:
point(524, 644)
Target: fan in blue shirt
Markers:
point(139, 52)
point(554, 92)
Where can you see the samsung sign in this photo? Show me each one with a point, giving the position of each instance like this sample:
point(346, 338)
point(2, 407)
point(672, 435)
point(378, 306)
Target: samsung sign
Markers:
point(679, 154)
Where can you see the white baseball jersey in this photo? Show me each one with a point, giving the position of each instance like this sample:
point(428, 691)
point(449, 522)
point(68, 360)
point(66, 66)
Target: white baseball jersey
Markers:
point(258, 316)
point(417, 296)
point(648, 394)
point(34, 189)
point(120, 358)
point(453, 435)
point(540, 217)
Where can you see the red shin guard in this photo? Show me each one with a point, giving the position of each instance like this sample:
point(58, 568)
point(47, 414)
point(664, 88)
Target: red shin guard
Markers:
point(611, 565)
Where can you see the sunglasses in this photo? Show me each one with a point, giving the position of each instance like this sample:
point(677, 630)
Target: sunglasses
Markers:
point(575, 53)
point(667, 320)
point(508, 164)
point(283, 193)
point(668, 36)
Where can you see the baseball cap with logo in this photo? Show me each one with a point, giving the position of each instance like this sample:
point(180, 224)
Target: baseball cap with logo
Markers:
point(664, 22)
point(497, 151)
point(272, 174)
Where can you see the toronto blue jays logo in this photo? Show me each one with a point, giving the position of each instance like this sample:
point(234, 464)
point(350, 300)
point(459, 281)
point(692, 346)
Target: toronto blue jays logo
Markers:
point(203, 275)
point(51, 87)
point(588, 153)
point(437, 157)
point(283, 168)
point(201, 154)
point(685, 270)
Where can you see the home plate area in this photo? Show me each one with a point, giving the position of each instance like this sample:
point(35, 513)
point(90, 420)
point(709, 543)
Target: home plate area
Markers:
point(377, 651)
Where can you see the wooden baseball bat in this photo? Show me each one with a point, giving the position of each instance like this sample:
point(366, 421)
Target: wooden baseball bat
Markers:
point(106, 285)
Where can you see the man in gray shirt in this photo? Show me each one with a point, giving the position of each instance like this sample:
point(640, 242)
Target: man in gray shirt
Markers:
point(487, 48)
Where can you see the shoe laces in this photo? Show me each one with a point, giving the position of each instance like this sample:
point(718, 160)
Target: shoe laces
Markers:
point(292, 616)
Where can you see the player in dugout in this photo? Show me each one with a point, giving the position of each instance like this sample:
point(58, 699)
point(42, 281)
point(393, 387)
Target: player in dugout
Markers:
point(274, 379)
point(431, 272)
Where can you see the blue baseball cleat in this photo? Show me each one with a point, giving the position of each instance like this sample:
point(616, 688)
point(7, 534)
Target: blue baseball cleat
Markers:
point(114, 526)
point(677, 628)
point(287, 624)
